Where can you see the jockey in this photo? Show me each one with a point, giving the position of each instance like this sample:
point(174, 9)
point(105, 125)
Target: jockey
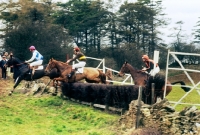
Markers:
point(149, 66)
point(82, 61)
point(36, 59)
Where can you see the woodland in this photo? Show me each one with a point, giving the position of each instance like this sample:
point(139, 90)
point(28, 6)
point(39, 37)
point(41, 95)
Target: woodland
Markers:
point(123, 35)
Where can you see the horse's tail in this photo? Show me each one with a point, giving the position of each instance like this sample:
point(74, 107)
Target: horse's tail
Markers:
point(186, 89)
point(102, 76)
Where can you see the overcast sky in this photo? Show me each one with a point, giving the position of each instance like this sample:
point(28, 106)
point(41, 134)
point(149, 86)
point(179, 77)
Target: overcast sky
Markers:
point(187, 11)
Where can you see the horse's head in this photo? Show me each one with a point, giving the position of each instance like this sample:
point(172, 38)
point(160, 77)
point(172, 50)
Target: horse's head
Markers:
point(51, 65)
point(9, 62)
point(124, 69)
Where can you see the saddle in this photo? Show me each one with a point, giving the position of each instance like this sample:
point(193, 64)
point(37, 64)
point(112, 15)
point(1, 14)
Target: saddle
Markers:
point(32, 71)
point(77, 71)
point(40, 67)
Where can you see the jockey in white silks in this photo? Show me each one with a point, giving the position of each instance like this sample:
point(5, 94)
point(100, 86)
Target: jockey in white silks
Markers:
point(149, 66)
point(36, 59)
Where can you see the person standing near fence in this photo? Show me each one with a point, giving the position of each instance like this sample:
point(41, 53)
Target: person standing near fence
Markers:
point(3, 68)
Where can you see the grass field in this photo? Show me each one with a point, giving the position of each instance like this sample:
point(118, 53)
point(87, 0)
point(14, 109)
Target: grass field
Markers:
point(28, 115)
point(50, 115)
point(177, 93)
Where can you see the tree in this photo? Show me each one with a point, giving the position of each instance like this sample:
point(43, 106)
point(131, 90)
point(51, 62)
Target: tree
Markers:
point(197, 32)
point(32, 27)
point(85, 21)
point(139, 22)
point(177, 44)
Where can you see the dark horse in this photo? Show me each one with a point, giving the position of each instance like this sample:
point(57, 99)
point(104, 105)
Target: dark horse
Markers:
point(91, 75)
point(21, 72)
point(142, 79)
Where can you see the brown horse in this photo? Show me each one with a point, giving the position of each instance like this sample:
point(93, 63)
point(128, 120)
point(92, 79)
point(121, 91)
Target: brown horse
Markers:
point(91, 75)
point(140, 78)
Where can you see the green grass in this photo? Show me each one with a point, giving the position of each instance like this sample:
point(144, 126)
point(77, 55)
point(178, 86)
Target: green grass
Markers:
point(28, 115)
point(177, 93)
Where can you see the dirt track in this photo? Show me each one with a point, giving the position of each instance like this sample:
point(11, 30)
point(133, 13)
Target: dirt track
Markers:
point(7, 84)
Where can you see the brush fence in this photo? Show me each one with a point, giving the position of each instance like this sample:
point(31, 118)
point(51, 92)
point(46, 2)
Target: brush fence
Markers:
point(117, 96)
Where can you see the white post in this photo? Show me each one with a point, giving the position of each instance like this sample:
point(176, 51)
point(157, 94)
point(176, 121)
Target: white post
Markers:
point(155, 58)
point(166, 74)
point(104, 69)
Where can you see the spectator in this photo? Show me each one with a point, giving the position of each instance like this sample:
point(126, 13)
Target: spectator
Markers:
point(6, 54)
point(3, 68)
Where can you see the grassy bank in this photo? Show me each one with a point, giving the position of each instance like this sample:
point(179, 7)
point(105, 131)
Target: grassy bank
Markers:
point(28, 115)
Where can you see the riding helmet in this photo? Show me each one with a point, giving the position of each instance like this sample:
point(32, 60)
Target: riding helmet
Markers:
point(145, 57)
point(76, 49)
point(32, 47)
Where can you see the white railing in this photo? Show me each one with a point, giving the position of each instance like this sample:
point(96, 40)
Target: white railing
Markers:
point(102, 66)
point(182, 68)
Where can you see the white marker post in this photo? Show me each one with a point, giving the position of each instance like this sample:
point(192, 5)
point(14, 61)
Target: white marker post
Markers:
point(155, 58)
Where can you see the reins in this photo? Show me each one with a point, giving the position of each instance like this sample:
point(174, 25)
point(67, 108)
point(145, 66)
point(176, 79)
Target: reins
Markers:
point(20, 64)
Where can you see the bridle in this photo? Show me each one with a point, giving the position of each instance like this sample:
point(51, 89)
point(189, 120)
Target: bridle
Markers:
point(50, 67)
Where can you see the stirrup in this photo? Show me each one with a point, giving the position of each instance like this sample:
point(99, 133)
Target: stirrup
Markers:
point(69, 75)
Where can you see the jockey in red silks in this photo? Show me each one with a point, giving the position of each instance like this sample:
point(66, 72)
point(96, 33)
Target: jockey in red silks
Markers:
point(149, 66)
point(36, 59)
point(82, 61)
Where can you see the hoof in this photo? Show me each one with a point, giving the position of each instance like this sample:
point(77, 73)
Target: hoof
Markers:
point(54, 94)
point(10, 93)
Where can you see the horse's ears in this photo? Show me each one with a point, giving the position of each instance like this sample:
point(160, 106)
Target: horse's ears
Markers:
point(126, 62)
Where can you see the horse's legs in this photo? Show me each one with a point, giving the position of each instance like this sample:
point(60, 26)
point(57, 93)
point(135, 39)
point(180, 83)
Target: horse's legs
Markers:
point(95, 80)
point(17, 81)
point(60, 79)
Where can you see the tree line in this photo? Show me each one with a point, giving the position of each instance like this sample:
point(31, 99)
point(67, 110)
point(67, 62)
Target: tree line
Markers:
point(117, 36)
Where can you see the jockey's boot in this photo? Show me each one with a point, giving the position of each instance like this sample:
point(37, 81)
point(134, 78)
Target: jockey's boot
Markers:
point(71, 74)
point(30, 71)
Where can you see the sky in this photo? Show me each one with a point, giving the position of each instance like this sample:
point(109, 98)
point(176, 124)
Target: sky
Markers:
point(187, 11)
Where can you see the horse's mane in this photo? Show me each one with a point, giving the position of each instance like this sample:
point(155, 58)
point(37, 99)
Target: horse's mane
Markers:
point(60, 62)
point(137, 70)
point(17, 59)
point(158, 79)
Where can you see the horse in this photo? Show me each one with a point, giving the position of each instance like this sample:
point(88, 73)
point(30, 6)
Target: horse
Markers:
point(91, 75)
point(109, 76)
point(21, 72)
point(143, 79)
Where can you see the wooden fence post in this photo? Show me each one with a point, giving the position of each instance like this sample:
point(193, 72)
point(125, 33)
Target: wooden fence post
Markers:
point(152, 92)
